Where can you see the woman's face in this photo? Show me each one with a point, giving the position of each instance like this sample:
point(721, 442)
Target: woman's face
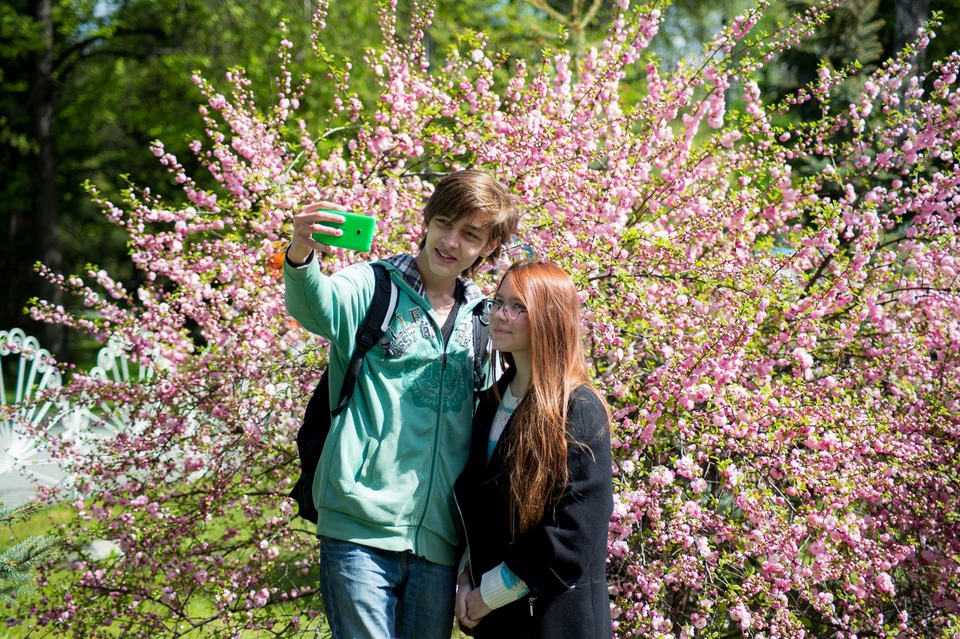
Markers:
point(509, 321)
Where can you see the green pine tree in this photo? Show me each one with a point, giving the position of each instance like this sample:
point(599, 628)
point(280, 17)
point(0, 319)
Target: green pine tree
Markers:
point(18, 563)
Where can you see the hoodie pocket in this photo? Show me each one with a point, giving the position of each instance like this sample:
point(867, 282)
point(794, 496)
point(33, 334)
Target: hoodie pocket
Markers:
point(376, 485)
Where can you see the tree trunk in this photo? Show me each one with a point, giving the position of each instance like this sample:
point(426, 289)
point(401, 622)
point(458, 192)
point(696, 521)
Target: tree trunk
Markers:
point(16, 254)
point(43, 119)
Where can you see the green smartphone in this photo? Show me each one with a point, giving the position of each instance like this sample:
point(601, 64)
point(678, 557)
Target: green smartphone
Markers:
point(357, 231)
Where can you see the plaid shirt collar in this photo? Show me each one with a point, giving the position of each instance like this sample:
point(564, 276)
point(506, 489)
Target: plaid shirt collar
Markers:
point(406, 265)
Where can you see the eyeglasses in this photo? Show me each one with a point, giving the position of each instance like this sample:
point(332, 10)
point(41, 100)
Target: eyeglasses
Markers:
point(512, 311)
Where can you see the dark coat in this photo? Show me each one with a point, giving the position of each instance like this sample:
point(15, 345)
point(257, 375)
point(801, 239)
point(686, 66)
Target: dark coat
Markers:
point(563, 558)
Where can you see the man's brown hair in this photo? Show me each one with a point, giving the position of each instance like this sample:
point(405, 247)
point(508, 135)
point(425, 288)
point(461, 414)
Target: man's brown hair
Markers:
point(464, 193)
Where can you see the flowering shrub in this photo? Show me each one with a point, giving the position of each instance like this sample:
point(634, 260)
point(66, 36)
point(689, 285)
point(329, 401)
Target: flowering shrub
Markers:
point(780, 350)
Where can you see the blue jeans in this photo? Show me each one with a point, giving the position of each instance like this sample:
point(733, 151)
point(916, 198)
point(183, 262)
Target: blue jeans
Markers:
point(370, 593)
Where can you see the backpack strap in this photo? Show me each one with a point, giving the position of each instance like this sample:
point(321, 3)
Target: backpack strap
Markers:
point(374, 324)
point(481, 345)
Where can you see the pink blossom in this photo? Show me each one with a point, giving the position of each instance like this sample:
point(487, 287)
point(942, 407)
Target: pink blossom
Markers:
point(783, 343)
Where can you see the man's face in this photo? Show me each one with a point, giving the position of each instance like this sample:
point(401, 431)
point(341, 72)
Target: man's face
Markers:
point(452, 247)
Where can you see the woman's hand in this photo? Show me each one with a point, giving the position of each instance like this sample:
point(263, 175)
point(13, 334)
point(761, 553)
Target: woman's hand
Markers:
point(306, 222)
point(476, 608)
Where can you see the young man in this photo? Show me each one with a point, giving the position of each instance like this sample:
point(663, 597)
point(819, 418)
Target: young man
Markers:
point(387, 522)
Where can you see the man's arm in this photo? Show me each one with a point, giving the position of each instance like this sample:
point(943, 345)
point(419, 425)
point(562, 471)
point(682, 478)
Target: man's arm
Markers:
point(328, 306)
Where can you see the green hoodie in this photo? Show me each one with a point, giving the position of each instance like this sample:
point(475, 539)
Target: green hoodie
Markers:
point(386, 475)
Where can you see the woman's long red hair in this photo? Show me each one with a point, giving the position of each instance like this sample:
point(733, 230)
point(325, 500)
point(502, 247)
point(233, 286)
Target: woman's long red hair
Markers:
point(536, 445)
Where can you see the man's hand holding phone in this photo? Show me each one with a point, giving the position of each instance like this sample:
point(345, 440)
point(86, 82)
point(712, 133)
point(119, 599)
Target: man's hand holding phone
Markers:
point(309, 220)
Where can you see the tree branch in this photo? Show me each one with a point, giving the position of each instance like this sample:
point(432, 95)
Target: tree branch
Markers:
point(83, 44)
point(816, 276)
point(550, 11)
point(591, 13)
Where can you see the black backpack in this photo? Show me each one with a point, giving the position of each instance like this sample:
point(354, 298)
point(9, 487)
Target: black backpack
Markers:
point(316, 419)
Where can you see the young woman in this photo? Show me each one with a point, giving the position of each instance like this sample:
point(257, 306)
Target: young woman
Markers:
point(536, 495)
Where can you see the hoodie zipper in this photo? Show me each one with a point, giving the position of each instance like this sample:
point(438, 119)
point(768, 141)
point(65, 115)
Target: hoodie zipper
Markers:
point(436, 439)
point(433, 458)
